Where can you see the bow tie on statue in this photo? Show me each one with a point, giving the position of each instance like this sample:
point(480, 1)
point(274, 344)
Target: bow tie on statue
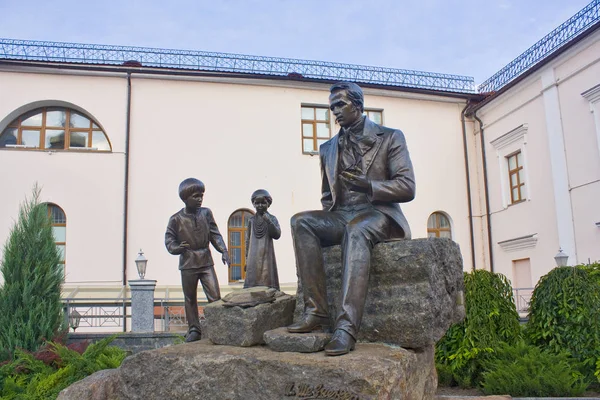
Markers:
point(358, 145)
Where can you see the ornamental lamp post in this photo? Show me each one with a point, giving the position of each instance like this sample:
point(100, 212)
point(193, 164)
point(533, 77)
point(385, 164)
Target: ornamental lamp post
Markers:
point(140, 263)
point(561, 258)
point(74, 319)
point(142, 298)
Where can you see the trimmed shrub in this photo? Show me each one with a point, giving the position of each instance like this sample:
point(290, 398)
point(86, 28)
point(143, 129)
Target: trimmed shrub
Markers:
point(30, 306)
point(564, 315)
point(593, 271)
point(523, 370)
point(491, 318)
point(40, 377)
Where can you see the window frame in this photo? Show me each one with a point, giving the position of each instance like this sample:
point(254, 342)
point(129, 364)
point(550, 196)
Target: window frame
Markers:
point(314, 123)
point(438, 226)
point(368, 112)
point(243, 232)
point(515, 172)
point(506, 145)
point(49, 207)
point(43, 129)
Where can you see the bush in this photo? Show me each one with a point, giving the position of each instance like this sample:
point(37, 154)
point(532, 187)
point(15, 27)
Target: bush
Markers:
point(593, 270)
point(523, 370)
point(565, 315)
point(30, 306)
point(40, 376)
point(491, 318)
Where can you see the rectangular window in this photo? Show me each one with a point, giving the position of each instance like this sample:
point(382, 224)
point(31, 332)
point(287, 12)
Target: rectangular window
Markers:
point(375, 116)
point(315, 128)
point(516, 177)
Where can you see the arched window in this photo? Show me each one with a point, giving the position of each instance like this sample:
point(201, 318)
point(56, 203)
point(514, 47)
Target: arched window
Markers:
point(54, 128)
point(59, 229)
point(438, 225)
point(236, 232)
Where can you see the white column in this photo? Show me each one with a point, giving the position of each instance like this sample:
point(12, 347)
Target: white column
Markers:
point(558, 164)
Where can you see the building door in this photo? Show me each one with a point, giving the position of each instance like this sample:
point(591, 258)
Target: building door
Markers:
point(236, 233)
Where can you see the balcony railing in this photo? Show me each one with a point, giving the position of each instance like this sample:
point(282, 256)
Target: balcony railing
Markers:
point(522, 298)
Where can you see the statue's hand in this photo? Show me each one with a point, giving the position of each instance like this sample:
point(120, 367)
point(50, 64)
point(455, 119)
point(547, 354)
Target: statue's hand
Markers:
point(225, 258)
point(357, 183)
point(183, 246)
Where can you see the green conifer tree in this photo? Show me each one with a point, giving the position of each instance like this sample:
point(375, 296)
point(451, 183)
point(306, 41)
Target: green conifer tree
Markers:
point(30, 305)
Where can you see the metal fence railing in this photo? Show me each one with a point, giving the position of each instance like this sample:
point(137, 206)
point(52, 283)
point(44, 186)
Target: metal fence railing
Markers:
point(111, 315)
point(522, 298)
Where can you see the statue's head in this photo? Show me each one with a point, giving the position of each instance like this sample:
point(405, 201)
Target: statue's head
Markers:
point(261, 200)
point(346, 102)
point(190, 186)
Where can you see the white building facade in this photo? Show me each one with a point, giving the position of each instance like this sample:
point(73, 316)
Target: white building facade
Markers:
point(235, 134)
point(511, 174)
point(542, 156)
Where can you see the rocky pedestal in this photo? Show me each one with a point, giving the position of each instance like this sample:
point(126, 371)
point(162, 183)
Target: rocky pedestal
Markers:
point(201, 370)
point(415, 294)
point(415, 291)
point(245, 326)
point(281, 340)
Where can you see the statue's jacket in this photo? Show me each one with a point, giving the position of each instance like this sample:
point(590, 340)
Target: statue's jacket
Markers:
point(387, 165)
point(198, 230)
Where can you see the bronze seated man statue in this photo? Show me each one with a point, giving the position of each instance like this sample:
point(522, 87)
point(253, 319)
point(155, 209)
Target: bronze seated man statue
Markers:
point(366, 171)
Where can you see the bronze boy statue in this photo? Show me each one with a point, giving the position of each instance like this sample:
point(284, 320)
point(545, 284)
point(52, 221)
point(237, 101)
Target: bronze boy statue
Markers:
point(261, 267)
point(188, 234)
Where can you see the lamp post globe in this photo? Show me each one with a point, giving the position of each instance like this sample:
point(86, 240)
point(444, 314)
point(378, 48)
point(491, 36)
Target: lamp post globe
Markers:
point(140, 262)
point(561, 258)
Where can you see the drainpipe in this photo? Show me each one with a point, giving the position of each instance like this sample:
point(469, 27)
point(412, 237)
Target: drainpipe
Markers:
point(126, 196)
point(486, 191)
point(468, 178)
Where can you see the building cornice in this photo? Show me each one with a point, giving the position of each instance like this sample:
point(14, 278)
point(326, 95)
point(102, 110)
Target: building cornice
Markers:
point(592, 95)
point(230, 78)
point(513, 136)
point(520, 243)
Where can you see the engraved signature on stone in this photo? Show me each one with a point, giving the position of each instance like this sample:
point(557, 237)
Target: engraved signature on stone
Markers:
point(305, 392)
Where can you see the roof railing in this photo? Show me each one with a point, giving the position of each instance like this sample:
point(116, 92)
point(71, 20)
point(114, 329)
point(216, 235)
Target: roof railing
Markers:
point(567, 31)
point(12, 49)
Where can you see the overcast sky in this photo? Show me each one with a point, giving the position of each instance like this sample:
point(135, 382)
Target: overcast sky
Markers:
point(465, 37)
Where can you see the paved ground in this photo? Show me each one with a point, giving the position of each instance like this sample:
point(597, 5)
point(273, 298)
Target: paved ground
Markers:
point(455, 393)
point(458, 392)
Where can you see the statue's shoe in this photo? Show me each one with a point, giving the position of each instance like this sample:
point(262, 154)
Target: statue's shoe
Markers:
point(193, 336)
point(341, 343)
point(309, 323)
